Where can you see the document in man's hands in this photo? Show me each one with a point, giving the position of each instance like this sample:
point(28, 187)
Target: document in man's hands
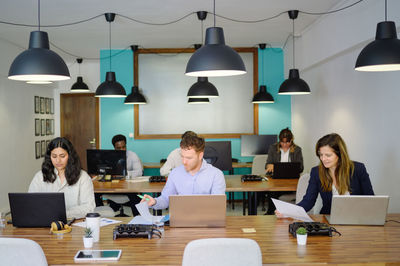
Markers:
point(291, 210)
point(145, 216)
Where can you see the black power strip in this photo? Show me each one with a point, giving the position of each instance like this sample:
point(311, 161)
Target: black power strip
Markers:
point(157, 178)
point(251, 178)
point(313, 228)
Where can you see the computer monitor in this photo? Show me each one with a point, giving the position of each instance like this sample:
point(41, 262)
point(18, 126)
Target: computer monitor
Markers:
point(252, 145)
point(219, 154)
point(110, 162)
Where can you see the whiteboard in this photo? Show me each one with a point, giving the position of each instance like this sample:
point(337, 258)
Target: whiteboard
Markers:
point(162, 80)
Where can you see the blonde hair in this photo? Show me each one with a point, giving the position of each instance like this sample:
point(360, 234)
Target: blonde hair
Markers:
point(344, 169)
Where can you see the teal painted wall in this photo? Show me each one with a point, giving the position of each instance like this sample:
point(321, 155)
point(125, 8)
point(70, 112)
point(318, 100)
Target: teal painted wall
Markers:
point(117, 118)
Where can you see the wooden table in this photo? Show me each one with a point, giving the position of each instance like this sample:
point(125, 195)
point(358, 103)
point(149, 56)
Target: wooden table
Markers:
point(374, 245)
point(233, 184)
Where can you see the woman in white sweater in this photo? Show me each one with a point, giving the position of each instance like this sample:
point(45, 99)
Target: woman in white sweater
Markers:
point(61, 172)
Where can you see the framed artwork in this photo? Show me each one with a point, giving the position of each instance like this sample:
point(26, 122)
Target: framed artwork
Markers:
point(37, 127)
point(37, 104)
point(47, 100)
point(48, 127)
point(43, 127)
point(47, 143)
point(42, 105)
point(51, 106)
point(51, 126)
point(43, 148)
point(37, 149)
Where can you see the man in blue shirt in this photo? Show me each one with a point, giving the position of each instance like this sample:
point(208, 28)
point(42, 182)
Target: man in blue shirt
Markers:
point(194, 176)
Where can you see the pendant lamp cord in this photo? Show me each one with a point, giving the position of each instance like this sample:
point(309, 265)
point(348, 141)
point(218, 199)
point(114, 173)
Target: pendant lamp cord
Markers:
point(262, 67)
point(202, 32)
point(214, 13)
point(293, 45)
point(109, 41)
point(385, 10)
point(39, 14)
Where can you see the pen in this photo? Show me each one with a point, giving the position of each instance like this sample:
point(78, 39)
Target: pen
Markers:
point(140, 196)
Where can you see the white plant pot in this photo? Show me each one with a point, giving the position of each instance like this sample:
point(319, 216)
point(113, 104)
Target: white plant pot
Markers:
point(88, 242)
point(301, 239)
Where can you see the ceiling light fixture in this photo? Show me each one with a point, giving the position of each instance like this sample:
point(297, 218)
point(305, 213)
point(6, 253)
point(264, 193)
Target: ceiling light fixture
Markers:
point(262, 96)
point(198, 101)
point(79, 85)
point(294, 85)
point(110, 88)
point(215, 58)
point(38, 63)
point(135, 97)
point(383, 54)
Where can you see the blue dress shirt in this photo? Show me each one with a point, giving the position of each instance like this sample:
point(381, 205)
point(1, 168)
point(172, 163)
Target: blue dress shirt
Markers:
point(208, 180)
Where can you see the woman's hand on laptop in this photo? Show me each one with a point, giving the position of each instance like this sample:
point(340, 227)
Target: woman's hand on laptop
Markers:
point(150, 200)
point(269, 168)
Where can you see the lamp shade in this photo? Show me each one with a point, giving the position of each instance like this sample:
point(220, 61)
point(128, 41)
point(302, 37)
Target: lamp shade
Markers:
point(215, 58)
point(202, 89)
point(38, 63)
point(383, 54)
point(198, 101)
point(294, 85)
point(110, 87)
point(135, 97)
point(79, 86)
point(263, 96)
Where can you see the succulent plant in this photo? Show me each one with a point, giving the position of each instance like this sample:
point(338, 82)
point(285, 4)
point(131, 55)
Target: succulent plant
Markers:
point(301, 231)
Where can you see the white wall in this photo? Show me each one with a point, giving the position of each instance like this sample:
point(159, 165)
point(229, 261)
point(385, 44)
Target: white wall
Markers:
point(360, 106)
point(17, 140)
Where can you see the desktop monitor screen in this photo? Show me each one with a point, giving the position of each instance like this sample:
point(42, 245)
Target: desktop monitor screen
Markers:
point(252, 145)
point(219, 154)
point(111, 162)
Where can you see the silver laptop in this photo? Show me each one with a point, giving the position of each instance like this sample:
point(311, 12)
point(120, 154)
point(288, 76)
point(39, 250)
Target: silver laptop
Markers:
point(197, 210)
point(358, 210)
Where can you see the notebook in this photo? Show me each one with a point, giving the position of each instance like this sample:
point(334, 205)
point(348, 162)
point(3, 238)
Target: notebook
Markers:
point(197, 210)
point(358, 210)
point(37, 209)
point(286, 170)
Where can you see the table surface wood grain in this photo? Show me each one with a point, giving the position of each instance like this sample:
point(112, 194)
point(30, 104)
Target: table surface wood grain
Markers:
point(233, 184)
point(358, 245)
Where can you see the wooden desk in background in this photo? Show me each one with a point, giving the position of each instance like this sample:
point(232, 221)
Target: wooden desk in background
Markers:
point(234, 165)
point(373, 245)
point(233, 184)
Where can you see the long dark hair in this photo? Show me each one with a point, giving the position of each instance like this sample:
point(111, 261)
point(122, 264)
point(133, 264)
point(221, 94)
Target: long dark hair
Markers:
point(288, 135)
point(73, 168)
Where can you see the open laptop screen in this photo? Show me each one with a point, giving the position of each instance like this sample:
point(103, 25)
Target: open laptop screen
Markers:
point(37, 209)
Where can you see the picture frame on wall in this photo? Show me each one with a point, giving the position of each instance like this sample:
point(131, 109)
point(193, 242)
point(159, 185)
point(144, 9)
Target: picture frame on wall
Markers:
point(51, 106)
point(43, 127)
point(48, 127)
point(37, 149)
point(47, 143)
point(47, 100)
point(43, 148)
point(37, 127)
point(51, 126)
point(37, 104)
point(42, 105)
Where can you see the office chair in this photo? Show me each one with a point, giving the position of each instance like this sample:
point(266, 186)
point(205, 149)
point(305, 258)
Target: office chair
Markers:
point(258, 168)
point(117, 201)
point(222, 252)
point(301, 191)
point(21, 251)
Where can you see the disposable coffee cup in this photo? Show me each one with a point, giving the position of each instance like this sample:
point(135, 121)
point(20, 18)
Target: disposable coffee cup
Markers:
point(93, 222)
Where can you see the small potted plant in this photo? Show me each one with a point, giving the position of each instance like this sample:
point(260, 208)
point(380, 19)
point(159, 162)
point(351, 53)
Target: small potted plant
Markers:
point(88, 238)
point(301, 235)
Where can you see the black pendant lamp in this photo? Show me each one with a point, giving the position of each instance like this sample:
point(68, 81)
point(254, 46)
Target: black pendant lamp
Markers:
point(38, 63)
point(215, 58)
point(79, 85)
point(110, 88)
point(294, 85)
point(202, 89)
point(262, 96)
point(135, 97)
point(383, 54)
point(198, 101)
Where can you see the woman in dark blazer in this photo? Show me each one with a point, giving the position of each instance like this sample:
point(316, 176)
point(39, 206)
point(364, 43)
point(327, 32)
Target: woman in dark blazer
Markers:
point(335, 175)
point(285, 144)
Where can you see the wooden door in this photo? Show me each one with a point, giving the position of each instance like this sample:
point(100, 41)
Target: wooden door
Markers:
point(79, 120)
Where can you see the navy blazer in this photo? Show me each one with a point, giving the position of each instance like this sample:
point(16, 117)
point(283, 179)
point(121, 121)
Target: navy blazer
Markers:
point(360, 184)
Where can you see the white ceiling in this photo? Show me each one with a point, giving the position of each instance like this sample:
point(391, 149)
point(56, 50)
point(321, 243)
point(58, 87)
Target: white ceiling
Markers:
point(86, 39)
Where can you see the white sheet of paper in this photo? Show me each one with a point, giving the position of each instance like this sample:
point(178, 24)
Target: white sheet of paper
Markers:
point(103, 222)
point(145, 214)
point(292, 210)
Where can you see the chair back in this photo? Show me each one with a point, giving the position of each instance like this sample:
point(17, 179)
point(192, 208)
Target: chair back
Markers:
point(21, 251)
point(258, 167)
point(222, 252)
point(302, 186)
